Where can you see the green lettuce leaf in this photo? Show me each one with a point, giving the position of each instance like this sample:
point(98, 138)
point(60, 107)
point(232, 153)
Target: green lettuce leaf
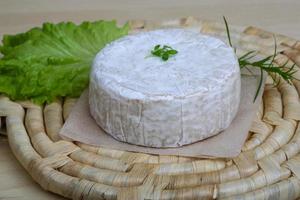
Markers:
point(54, 60)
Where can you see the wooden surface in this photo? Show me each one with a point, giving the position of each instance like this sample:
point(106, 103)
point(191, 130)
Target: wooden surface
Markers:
point(15, 15)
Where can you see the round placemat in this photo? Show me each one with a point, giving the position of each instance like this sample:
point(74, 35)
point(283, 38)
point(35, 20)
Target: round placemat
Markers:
point(267, 168)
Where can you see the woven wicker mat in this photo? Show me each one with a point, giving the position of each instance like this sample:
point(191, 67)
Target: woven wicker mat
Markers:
point(268, 167)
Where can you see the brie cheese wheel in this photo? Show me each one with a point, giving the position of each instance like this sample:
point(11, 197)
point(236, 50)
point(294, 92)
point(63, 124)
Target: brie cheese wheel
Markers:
point(143, 100)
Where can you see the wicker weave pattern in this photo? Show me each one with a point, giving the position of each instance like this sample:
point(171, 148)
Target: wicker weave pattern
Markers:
point(268, 167)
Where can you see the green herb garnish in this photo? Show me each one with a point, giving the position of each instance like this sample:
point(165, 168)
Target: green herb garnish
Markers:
point(164, 52)
point(266, 64)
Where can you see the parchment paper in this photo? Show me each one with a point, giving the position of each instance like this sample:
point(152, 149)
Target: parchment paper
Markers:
point(80, 126)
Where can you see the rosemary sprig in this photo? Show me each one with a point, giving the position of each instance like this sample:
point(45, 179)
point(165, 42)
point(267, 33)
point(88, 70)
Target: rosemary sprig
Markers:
point(227, 31)
point(266, 64)
point(164, 52)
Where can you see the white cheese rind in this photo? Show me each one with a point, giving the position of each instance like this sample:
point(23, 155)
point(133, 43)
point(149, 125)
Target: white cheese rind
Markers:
point(146, 101)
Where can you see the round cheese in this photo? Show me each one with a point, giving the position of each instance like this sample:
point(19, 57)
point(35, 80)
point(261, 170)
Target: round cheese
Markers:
point(143, 100)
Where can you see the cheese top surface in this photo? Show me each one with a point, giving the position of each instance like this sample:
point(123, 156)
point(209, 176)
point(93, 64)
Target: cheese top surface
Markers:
point(202, 65)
